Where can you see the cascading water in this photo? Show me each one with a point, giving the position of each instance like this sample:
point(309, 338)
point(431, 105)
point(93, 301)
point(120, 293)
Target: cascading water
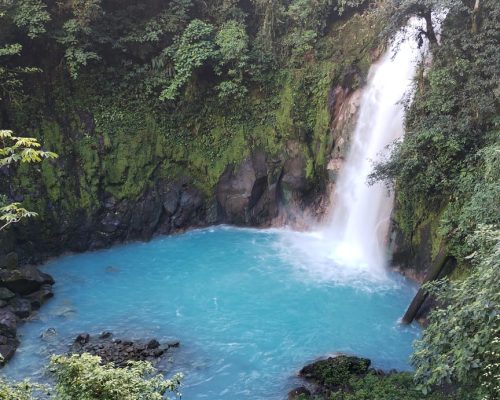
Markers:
point(357, 231)
point(361, 213)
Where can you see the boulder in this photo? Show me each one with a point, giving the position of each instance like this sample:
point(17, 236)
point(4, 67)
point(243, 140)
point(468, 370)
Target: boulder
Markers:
point(8, 323)
point(9, 261)
point(20, 307)
point(24, 280)
point(39, 297)
point(6, 294)
point(8, 349)
point(335, 371)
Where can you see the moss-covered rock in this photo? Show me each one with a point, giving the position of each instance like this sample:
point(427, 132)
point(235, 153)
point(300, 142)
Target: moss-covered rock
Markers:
point(335, 371)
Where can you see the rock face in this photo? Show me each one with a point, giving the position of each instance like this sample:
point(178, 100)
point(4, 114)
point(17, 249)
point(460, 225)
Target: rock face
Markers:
point(23, 290)
point(246, 194)
point(120, 351)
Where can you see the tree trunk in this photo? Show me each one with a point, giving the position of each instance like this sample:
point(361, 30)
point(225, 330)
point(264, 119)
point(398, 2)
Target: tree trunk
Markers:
point(431, 35)
point(475, 16)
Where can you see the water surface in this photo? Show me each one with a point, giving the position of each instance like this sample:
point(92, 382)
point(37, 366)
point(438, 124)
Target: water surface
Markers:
point(249, 308)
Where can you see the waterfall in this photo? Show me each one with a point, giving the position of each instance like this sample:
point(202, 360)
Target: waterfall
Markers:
point(360, 221)
point(355, 236)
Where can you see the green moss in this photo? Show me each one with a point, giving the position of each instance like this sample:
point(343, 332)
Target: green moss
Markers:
point(137, 140)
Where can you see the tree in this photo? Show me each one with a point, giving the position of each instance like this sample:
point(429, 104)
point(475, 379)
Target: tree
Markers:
point(15, 149)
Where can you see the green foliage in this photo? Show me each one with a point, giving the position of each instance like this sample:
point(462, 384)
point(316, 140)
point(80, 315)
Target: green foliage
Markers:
point(14, 149)
point(77, 33)
point(20, 149)
point(31, 15)
point(396, 386)
point(461, 343)
point(83, 377)
point(192, 49)
point(19, 391)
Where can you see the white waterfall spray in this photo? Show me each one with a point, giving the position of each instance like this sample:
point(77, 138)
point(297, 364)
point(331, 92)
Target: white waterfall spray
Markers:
point(356, 234)
point(361, 213)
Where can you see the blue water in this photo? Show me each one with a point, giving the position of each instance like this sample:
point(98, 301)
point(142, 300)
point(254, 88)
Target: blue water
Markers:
point(247, 312)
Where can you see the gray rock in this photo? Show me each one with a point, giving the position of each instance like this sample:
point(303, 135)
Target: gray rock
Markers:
point(24, 280)
point(8, 323)
point(240, 189)
point(6, 294)
point(39, 297)
point(8, 350)
point(20, 307)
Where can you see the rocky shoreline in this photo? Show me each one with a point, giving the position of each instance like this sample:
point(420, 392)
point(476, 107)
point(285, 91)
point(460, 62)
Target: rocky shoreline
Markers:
point(23, 290)
point(121, 351)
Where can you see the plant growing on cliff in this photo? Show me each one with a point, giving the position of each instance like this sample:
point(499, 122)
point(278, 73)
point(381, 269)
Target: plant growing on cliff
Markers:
point(83, 377)
point(16, 149)
point(461, 343)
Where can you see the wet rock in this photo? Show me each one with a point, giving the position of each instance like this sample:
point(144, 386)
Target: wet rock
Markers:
point(335, 371)
point(39, 297)
point(241, 188)
point(153, 344)
point(24, 280)
point(8, 323)
point(171, 199)
point(20, 307)
point(294, 174)
point(49, 334)
point(299, 393)
point(6, 294)
point(8, 349)
point(82, 338)
point(120, 351)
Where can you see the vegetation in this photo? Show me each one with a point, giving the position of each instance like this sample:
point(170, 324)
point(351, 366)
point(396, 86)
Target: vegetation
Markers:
point(186, 86)
point(131, 92)
point(14, 149)
point(447, 169)
point(461, 343)
point(84, 377)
